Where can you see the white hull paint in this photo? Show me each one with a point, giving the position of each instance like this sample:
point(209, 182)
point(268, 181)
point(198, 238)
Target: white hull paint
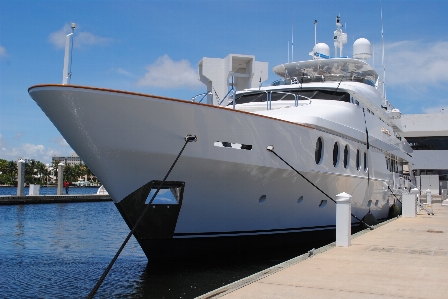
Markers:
point(128, 140)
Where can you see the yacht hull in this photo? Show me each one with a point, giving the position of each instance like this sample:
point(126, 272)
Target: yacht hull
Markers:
point(235, 193)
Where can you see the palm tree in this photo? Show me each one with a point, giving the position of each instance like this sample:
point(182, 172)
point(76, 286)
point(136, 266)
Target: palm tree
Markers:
point(11, 171)
point(43, 172)
point(70, 173)
point(30, 170)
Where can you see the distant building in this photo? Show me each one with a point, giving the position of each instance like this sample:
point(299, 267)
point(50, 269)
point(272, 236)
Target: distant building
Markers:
point(427, 134)
point(73, 160)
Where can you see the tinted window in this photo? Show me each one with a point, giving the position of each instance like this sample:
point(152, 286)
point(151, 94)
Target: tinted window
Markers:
point(365, 161)
point(335, 154)
point(275, 96)
point(346, 157)
point(318, 151)
point(428, 143)
point(358, 160)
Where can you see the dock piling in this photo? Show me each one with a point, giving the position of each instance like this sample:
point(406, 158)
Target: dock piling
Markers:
point(20, 177)
point(409, 205)
point(444, 199)
point(428, 197)
point(343, 220)
point(60, 178)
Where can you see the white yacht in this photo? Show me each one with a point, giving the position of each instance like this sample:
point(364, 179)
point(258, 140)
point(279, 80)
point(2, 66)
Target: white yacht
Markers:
point(240, 185)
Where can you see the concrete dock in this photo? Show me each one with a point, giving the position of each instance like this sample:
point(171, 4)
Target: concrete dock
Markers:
point(403, 258)
point(42, 199)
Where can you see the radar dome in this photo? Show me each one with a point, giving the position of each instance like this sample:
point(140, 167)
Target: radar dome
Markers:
point(361, 49)
point(322, 49)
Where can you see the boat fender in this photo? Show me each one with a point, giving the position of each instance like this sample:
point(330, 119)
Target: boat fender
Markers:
point(368, 219)
point(394, 211)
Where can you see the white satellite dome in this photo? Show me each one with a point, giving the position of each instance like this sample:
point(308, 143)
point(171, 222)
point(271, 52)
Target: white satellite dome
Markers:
point(362, 49)
point(321, 48)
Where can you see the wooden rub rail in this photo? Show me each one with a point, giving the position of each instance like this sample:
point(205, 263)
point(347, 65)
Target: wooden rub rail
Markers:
point(42, 199)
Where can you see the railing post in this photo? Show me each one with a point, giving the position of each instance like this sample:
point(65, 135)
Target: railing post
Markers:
point(20, 177)
point(60, 177)
point(343, 220)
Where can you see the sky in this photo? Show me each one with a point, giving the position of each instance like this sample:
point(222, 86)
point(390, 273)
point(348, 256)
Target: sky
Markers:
point(154, 47)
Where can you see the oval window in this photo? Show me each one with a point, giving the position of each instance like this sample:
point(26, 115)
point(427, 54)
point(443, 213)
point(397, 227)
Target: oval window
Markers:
point(335, 154)
point(365, 161)
point(318, 151)
point(346, 157)
point(358, 160)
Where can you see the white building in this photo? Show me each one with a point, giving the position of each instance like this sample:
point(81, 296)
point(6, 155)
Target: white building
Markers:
point(428, 136)
point(74, 159)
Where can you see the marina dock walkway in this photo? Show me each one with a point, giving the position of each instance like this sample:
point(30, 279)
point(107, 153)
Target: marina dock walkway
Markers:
point(404, 258)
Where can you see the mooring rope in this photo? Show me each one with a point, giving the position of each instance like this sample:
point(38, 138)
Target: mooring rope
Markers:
point(271, 149)
point(393, 194)
point(188, 138)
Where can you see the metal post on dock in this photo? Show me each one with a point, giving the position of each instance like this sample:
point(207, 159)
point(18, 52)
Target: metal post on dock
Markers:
point(428, 197)
point(444, 198)
point(60, 178)
point(416, 192)
point(343, 220)
point(20, 177)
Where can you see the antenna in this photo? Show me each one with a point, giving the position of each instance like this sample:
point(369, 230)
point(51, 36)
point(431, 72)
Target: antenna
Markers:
point(73, 26)
point(340, 38)
point(288, 51)
point(67, 71)
point(292, 39)
point(315, 32)
point(382, 37)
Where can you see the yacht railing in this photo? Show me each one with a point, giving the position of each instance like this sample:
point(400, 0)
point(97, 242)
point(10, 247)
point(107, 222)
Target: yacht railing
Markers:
point(193, 99)
point(232, 90)
point(296, 98)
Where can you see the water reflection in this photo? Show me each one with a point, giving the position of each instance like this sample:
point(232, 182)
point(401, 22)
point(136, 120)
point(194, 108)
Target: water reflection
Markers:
point(61, 250)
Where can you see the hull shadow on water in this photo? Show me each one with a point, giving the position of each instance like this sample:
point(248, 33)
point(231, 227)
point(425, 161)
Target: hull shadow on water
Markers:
point(61, 250)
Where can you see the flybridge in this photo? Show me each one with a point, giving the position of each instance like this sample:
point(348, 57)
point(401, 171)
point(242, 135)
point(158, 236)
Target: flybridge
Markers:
point(324, 70)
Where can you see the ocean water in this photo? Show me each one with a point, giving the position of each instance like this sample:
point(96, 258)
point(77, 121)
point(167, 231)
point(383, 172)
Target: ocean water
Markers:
point(61, 250)
point(49, 190)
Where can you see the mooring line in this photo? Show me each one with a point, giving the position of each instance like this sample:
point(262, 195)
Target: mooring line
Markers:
point(188, 138)
point(393, 194)
point(271, 149)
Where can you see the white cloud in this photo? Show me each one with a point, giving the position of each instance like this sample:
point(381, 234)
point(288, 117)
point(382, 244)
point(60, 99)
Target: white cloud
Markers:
point(33, 151)
point(417, 63)
point(431, 110)
point(124, 72)
point(3, 51)
point(80, 39)
point(166, 73)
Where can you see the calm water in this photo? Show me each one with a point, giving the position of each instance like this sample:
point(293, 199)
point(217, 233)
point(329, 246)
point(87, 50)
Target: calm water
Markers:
point(61, 250)
point(49, 190)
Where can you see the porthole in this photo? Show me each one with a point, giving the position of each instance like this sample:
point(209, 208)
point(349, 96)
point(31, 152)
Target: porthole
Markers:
point(262, 199)
point(300, 200)
point(358, 160)
point(335, 154)
point(323, 203)
point(346, 156)
point(365, 161)
point(318, 151)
